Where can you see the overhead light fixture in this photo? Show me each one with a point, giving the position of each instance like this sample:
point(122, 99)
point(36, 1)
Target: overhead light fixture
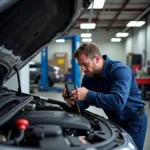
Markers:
point(86, 40)
point(140, 23)
point(132, 24)
point(86, 35)
point(135, 23)
point(87, 25)
point(115, 39)
point(122, 34)
point(60, 40)
point(98, 4)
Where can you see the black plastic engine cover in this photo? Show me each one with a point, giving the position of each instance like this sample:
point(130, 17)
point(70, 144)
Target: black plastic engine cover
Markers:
point(47, 131)
point(61, 118)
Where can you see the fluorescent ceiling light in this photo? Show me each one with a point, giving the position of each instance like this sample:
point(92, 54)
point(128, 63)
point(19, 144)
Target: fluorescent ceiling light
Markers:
point(135, 23)
point(87, 40)
point(115, 39)
point(122, 34)
point(60, 40)
point(86, 35)
point(132, 24)
point(140, 23)
point(87, 25)
point(98, 4)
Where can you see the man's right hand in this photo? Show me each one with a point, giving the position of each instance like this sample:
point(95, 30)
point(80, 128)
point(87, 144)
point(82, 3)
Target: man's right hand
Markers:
point(70, 100)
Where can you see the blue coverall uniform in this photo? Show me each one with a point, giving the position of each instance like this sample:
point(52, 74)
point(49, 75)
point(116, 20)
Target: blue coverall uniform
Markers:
point(115, 90)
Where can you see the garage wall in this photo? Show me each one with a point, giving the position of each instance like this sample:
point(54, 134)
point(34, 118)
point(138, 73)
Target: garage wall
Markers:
point(128, 46)
point(139, 39)
point(148, 37)
point(101, 37)
point(113, 50)
point(59, 47)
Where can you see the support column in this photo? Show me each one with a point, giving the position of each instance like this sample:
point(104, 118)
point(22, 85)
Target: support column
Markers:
point(75, 67)
point(44, 66)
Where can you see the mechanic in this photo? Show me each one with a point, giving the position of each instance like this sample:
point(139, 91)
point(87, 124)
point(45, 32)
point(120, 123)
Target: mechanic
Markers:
point(110, 85)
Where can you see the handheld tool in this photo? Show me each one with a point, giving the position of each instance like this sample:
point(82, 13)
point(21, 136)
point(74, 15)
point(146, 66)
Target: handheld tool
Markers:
point(70, 86)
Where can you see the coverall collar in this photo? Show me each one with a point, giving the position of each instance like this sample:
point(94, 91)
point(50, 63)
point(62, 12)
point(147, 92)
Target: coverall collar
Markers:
point(105, 69)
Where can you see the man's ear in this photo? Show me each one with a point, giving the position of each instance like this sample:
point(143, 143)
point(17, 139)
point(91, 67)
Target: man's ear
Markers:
point(97, 58)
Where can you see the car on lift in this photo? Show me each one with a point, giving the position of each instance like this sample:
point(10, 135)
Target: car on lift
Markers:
point(29, 122)
point(55, 73)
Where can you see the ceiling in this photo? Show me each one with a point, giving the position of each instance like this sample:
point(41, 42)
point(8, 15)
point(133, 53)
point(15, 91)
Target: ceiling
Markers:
point(115, 13)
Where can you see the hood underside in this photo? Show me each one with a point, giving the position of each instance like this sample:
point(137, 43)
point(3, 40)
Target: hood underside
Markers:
point(27, 25)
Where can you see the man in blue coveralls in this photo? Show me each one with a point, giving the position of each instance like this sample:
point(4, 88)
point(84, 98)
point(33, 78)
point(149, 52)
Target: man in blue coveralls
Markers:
point(110, 85)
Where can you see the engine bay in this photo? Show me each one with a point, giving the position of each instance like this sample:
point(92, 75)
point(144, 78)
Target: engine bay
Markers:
point(34, 122)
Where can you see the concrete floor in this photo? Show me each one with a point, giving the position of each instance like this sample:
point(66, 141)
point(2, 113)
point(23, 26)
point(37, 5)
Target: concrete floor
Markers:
point(58, 96)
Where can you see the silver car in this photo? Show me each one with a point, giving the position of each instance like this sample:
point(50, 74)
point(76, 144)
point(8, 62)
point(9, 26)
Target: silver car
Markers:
point(55, 73)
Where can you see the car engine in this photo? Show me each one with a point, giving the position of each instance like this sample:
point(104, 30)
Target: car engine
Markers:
point(35, 122)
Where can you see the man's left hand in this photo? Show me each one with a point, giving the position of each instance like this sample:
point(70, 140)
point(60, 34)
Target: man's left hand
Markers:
point(80, 93)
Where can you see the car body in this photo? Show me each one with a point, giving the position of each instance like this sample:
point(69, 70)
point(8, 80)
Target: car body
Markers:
point(55, 73)
point(30, 122)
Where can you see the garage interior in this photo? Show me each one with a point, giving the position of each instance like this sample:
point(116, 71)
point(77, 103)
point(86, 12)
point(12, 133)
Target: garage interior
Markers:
point(131, 48)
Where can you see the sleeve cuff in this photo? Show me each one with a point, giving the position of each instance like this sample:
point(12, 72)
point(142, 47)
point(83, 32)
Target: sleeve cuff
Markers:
point(90, 97)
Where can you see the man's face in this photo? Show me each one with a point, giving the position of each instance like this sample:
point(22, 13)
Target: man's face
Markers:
point(88, 65)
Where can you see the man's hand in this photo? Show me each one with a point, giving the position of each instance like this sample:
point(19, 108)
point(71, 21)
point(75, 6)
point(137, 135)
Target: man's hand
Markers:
point(70, 100)
point(80, 93)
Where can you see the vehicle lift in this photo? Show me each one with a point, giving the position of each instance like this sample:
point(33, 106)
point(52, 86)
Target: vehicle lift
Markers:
point(75, 73)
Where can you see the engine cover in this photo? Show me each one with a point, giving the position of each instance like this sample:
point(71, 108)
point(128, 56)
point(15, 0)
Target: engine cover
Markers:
point(61, 118)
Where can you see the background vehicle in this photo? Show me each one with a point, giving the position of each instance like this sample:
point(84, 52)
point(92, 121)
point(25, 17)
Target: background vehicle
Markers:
point(54, 73)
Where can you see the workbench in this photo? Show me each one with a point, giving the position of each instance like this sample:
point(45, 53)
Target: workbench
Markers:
point(142, 81)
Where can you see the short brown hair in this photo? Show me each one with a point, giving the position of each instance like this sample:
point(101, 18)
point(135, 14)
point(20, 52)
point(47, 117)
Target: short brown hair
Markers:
point(89, 49)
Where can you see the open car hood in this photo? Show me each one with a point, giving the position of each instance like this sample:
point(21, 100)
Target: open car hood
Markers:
point(27, 26)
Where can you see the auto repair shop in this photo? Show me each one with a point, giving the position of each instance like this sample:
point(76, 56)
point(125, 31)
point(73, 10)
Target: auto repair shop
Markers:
point(38, 40)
